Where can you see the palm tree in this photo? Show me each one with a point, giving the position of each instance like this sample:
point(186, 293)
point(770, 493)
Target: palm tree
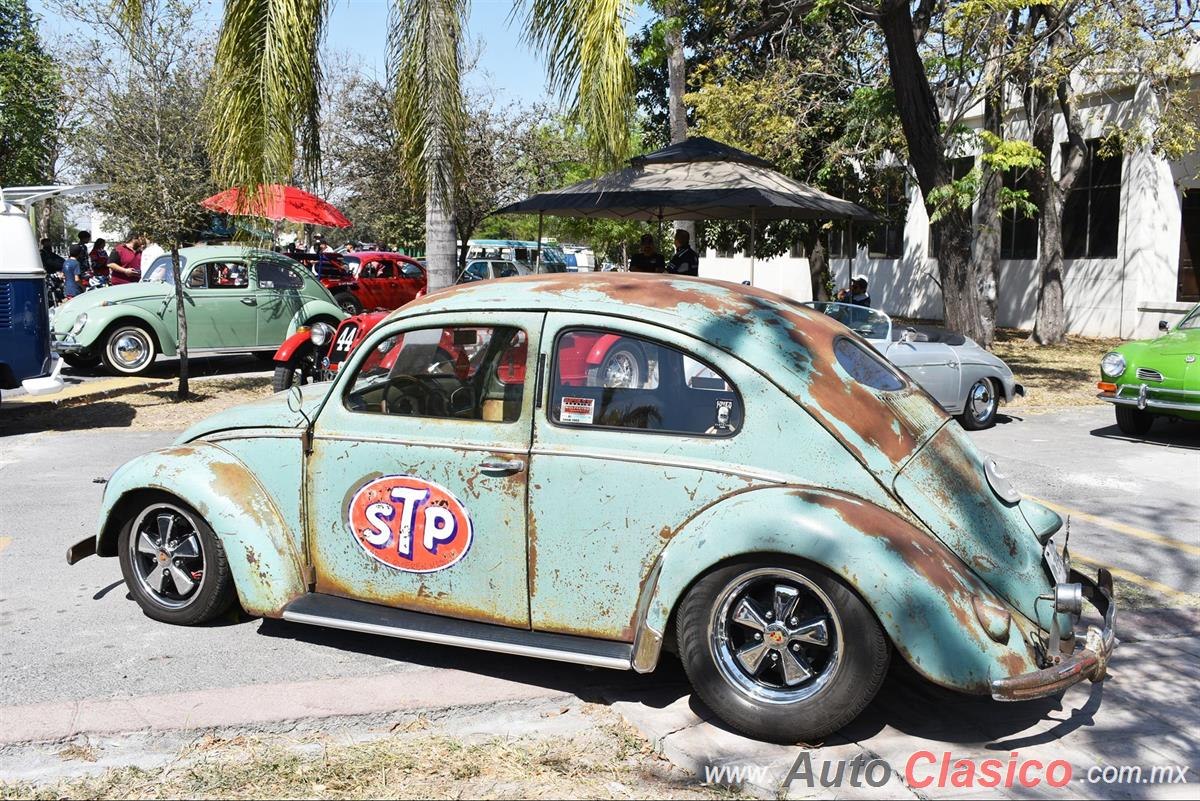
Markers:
point(267, 79)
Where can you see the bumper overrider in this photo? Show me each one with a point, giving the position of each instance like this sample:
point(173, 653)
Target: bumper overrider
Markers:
point(1087, 662)
point(66, 344)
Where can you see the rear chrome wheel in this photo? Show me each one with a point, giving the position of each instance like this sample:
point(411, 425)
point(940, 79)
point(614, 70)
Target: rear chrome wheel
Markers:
point(173, 563)
point(780, 649)
point(979, 410)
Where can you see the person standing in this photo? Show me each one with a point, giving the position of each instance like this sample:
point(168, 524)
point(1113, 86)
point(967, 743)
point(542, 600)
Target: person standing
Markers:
point(125, 262)
point(99, 264)
point(857, 293)
point(685, 261)
point(72, 275)
point(648, 259)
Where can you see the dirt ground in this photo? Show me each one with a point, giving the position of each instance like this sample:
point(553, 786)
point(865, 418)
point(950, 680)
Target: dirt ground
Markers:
point(1054, 376)
point(149, 410)
point(604, 758)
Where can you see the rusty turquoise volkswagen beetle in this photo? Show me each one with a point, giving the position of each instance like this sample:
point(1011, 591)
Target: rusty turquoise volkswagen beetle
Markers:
point(750, 484)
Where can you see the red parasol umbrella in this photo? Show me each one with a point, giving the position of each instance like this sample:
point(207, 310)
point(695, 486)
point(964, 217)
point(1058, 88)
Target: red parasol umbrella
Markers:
point(278, 202)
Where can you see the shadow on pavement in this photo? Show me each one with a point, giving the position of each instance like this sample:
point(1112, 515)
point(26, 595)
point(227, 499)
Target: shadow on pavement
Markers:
point(1171, 433)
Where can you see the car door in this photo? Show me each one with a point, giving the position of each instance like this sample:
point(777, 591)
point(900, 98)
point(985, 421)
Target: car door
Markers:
point(622, 458)
point(418, 476)
point(934, 366)
point(218, 315)
point(412, 281)
point(277, 299)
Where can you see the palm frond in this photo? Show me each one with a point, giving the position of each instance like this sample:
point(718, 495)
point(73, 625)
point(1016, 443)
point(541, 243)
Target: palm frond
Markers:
point(265, 95)
point(424, 65)
point(588, 60)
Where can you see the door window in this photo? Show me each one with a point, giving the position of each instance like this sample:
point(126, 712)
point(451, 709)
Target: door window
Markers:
point(273, 275)
point(410, 270)
point(461, 373)
point(219, 275)
point(608, 380)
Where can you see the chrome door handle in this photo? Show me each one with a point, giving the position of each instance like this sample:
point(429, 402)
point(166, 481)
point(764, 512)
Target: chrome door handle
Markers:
point(501, 467)
point(250, 301)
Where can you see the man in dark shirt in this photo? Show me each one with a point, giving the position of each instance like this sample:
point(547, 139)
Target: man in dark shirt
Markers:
point(79, 251)
point(648, 259)
point(685, 261)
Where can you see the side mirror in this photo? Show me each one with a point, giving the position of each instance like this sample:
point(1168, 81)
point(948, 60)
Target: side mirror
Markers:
point(1162, 326)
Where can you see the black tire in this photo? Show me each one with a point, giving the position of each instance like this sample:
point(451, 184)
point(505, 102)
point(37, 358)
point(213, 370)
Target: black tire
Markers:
point(118, 346)
point(1134, 422)
point(213, 593)
point(846, 672)
point(980, 406)
point(300, 369)
point(81, 361)
point(624, 366)
point(348, 303)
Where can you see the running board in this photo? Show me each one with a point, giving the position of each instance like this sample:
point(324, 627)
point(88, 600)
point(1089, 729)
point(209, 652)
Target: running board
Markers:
point(343, 613)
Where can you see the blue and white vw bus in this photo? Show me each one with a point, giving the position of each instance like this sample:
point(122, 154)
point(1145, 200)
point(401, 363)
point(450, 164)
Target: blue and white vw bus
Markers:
point(26, 359)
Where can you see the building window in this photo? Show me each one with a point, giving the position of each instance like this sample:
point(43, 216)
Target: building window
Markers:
point(1018, 231)
point(1092, 211)
point(887, 237)
point(841, 241)
point(958, 170)
point(797, 250)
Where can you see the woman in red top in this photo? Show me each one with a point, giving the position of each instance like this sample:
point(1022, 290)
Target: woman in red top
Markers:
point(99, 261)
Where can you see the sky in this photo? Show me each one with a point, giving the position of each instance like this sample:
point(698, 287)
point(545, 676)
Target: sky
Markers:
point(357, 27)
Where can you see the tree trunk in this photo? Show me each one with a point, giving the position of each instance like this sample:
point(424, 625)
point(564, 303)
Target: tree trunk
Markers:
point(1050, 324)
point(677, 84)
point(818, 264)
point(181, 324)
point(921, 122)
point(985, 250)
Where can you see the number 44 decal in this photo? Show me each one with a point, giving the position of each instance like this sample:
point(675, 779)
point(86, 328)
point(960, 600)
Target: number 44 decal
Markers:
point(347, 338)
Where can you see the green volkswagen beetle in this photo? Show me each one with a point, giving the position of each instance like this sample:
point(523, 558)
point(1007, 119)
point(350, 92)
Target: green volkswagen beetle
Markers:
point(238, 300)
point(1155, 377)
point(767, 497)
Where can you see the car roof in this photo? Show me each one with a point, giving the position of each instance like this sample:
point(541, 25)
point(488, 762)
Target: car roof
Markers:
point(225, 252)
point(381, 254)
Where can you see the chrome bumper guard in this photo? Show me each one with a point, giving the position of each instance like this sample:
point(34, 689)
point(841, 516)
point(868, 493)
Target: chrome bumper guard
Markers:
point(1088, 662)
point(1143, 398)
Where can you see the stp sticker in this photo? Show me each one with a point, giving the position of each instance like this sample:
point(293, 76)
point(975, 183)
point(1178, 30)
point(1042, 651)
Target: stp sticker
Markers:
point(576, 410)
point(410, 524)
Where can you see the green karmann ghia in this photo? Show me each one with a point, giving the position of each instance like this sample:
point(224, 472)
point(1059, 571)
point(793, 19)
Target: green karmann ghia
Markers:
point(763, 494)
point(238, 300)
point(1154, 377)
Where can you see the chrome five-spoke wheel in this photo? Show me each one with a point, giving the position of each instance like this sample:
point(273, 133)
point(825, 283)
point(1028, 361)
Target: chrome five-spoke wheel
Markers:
point(167, 555)
point(173, 563)
point(780, 648)
point(775, 635)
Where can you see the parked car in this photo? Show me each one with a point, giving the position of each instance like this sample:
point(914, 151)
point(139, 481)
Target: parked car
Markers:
point(376, 280)
point(239, 300)
point(26, 359)
point(966, 380)
point(788, 515)
point(486, 269)
point(1154, 378)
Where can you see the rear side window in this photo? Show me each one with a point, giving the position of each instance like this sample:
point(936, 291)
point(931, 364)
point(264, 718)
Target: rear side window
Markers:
point(602, 379)
point(866, 367)
point(274, 275)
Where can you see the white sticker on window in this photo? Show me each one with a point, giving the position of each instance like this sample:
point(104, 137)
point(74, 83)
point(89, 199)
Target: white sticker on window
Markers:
point(577, 410)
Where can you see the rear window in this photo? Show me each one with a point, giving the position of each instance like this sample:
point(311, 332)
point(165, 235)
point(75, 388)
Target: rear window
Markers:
point(866, 367)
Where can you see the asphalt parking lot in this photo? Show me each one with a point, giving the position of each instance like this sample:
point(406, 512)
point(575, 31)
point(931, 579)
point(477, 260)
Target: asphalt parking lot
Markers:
point(69, 636)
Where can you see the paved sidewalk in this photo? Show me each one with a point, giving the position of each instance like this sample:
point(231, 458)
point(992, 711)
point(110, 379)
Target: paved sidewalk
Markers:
point(98, 388)
point(1147, 714)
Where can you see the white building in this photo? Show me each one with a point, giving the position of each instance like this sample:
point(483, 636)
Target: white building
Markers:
point(1132, 237)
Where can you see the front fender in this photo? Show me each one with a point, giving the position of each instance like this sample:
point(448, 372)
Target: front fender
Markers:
point(293, 343)
point(946, 622)
point(313, 309)
point(267, 570)
point(102, 318)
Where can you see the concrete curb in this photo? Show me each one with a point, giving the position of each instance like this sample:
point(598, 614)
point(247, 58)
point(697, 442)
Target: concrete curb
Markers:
point(262, 704)
point(74, 394)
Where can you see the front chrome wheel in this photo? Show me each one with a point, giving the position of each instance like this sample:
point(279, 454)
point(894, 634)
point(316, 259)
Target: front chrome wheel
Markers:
point(129, 350)
point(775, 635)
point(167, 555)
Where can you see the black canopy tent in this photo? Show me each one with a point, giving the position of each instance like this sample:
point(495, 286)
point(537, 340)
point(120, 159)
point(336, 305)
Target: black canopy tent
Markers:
point(697, 179)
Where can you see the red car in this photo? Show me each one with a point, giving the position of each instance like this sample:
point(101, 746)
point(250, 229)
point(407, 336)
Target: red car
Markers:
point(588, 360)
point(368, 280)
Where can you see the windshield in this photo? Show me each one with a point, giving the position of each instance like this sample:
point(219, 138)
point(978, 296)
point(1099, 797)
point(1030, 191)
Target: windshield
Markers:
point(862, 320)
point(160, 270)
point(1192, 320)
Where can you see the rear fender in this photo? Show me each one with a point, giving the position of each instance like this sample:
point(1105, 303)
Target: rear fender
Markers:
point(601, 348)
point(259, 546)
point(945, 622)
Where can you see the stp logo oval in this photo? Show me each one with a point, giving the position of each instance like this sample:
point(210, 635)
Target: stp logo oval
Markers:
point(410, 524)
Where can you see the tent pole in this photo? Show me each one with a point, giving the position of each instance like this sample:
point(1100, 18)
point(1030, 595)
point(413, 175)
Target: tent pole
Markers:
point(537, 266)
point(753, 232)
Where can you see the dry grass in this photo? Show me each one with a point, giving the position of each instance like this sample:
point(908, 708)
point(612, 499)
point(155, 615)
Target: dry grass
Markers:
point(155, 409)
point(1054, 376)
point(608, 760)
